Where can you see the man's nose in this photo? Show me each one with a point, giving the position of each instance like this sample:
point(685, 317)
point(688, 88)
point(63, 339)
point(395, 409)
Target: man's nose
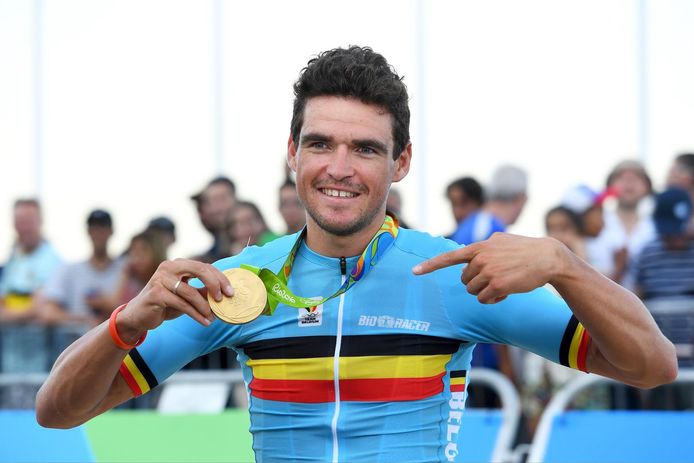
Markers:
point(340, 165)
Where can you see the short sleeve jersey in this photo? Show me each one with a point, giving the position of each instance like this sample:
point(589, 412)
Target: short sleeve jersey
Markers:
point(376, 374)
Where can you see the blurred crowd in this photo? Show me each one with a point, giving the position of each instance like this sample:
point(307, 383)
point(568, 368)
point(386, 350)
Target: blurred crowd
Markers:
point(640, 238)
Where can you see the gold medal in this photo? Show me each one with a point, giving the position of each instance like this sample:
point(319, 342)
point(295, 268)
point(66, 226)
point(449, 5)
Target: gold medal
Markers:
point(248, 301)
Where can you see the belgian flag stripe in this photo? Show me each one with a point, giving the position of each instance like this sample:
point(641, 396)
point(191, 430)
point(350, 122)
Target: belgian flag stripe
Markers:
point(374, 367)
point(351, 346)
point(351, 390)
point(137, 374)
point(574, 345)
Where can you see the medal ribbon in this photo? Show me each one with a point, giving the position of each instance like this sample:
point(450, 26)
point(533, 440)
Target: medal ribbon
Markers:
point(276, 284)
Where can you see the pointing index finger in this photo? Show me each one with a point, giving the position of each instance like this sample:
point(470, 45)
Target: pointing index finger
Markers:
point(447, 259)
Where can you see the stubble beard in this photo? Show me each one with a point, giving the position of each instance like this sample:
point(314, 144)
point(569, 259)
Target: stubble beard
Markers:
point(348, 229)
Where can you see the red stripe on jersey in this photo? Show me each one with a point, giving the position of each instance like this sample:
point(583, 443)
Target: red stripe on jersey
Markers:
point(294, 390)
point(130, 380)
point(351, 390)
point(390, 389)
point(583, 352)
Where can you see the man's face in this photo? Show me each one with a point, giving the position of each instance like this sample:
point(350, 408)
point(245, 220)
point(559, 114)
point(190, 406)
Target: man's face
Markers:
point(631, 187)
point(27, 224)
point(246, 225)
point(560, 226)
point(344, 163)
point(99, 236)
point(215, 209)
point(292, 211)
point(461, 205)
point(593, 222)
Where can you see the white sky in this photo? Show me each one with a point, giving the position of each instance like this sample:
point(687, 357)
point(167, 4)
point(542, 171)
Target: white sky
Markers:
point(127, 111)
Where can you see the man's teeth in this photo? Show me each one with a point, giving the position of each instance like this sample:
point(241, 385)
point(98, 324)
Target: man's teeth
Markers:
point(338, 193)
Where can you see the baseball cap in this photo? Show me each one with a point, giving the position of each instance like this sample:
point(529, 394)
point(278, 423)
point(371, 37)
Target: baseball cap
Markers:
point(99, 217)
point(163, 224)
point(673, 209)
point(582, 197)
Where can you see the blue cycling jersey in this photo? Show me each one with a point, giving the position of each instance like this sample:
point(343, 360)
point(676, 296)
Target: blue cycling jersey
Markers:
point(377, 374)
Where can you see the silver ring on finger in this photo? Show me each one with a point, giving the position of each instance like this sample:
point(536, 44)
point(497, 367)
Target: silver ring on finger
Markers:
point(175, 288)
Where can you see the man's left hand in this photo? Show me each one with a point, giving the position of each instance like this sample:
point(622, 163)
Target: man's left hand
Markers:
point(502, 265)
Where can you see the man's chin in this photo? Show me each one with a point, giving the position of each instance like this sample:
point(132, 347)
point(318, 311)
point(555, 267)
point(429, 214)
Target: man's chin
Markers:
point(344, 227)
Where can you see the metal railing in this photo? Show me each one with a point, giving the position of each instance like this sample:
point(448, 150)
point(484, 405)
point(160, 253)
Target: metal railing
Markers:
point(561, 401)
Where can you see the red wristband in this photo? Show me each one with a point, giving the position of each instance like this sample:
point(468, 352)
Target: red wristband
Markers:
point(114, 332)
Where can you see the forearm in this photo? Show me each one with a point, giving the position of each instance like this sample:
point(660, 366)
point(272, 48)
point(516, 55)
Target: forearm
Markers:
point(626, 342)
point(80, 383)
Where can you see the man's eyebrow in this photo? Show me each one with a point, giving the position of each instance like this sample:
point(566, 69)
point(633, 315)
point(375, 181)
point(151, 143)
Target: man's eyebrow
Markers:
point(313, 137)
point(371, 143)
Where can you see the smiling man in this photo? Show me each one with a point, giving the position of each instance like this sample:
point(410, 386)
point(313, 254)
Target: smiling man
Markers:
point(369, 360)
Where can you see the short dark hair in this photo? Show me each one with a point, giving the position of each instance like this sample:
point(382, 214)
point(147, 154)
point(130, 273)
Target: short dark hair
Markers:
point(219, 180)
point(99, 218)
point(163, 224)
point(575, 219)
point(471, 187)
point(355, 72)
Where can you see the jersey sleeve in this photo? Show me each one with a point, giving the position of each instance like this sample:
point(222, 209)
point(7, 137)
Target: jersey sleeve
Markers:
point(538, 321)
point(169, 348)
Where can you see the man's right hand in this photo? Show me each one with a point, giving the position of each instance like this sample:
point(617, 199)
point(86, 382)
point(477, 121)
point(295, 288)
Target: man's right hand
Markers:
point(84, 381)
point(161, 299)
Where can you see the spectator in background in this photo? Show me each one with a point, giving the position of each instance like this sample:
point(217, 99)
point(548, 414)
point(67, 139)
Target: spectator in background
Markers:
point(215, 205)
point(565, 225)
point(23, 344)
point(665, 267)
point(629, 223)
point(248, 227)
point(604, 252)
point(72, 294)
point(32, 262)
point(165, 228)
point(506, 195)
point(394, 205)
point(681, 175)
point(291, 209)
point(466, 197)
point(146, 251)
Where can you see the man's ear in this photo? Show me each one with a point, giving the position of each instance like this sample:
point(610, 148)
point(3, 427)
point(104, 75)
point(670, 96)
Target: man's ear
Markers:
point(291, 154)
point(402, 163)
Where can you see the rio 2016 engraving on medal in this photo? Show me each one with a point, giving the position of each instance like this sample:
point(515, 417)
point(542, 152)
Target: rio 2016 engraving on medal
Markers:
point(248, 301)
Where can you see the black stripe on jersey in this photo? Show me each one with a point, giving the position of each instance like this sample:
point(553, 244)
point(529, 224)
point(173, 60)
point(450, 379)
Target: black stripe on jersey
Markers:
point(144, 369)
point(565, 345)
point(397, 344)
point(458, 374)
point(291, 348)
point(352, 346)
